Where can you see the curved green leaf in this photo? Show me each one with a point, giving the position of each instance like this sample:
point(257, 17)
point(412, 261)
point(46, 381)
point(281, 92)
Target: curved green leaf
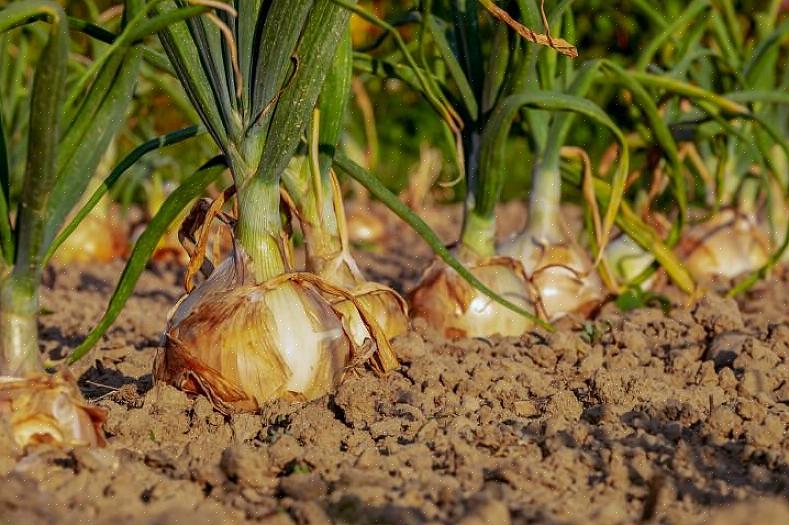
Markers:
point(688, 16)
point(107, 184)
point(378, 190)
point(178, 200)
point(662, 135)
point(45, 116)
point(498, 129)
point(644, 235)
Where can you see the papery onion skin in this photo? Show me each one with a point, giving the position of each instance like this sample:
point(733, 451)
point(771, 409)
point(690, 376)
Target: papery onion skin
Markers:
point(561, 273)
point(249, 345)
point(450, 305)
point(49, 409)
point(728, 245)
point(385, 305)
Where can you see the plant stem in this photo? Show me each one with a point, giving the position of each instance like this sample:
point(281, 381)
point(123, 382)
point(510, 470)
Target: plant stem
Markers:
point(479, 233)
point(18, 328)
point(259, 227)
point(544, 200)
point(483, 186)
point(318, 218)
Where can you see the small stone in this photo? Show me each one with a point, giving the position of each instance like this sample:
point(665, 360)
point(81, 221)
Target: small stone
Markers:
point(280, 518)
point(752, 383)
point(751, 410)
point(718, 314)
point(725, 348)
point(248, 467)
point(782, 393)
point(633, 341)
point(95, 459)
point(285, 450)
point(565, 404)
point(723, 420)
point(768, 434)
point(303, 486)
point(310, 513)
point(726, 379)
point(525, 408)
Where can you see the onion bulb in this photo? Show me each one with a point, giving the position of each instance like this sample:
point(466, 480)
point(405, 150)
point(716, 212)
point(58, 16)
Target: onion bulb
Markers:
point(727, 245)
point(328, 254)
point(49, 409)
point(243, 344)
point(561, 273)
point(99, 238)
point(364, 226)
point(449, 304)
point(385, 305)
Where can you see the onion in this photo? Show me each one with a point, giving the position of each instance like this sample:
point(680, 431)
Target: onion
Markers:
point(99, 238)
point(449, 304)
point(560, 271)
point(385, 305)
point(49, 409)
point(727, 245)
point(243, 344)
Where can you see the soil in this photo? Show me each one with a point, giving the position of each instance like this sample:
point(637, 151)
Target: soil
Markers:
point(639, 416)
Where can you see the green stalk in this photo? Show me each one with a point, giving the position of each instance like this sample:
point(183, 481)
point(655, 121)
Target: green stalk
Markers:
point(545, 199)
point(19, 290)
point(316, 215)
point(378, 190)
point(259, 227)
point(6, 232)
point(479, 223)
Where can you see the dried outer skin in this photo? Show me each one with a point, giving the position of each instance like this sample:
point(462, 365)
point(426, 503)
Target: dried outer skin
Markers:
point(561, 274)
point(243, 344)
point(49, 409)
point(231, 346)
point(385, 305)
point(456, 309)
point(627, 260)
point(727, 245)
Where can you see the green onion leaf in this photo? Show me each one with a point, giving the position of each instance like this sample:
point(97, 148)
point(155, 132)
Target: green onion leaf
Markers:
point(172, 207)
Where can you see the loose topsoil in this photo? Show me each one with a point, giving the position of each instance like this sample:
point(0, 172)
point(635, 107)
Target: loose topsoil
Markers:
point(644, 416)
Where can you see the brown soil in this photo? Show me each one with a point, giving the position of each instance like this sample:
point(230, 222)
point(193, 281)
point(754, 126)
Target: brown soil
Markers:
point(634, 417)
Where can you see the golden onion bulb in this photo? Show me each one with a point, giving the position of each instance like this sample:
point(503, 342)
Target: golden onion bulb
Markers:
point(248, 344)
point(449, 304)
point(727, 245)
point(561, 273)
point(49, 409)
point(364, 226)
point(98, 238)
point(385, 305)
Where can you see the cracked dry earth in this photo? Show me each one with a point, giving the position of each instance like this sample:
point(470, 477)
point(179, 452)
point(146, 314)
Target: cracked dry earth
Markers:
point(638, 417)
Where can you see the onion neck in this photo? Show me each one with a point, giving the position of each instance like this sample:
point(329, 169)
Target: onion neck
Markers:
point(544, 203)
point(321, 232)
point(19, 354)
point(259, 227)
point(478, 234)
